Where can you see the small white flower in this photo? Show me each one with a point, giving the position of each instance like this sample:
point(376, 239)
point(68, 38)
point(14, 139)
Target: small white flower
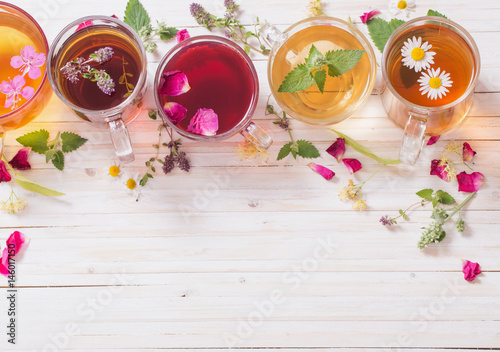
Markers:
point(434, 83)
point(115, 172)
point(11, 207)
point(396, 7)
point(132, 184)
point(416, 55)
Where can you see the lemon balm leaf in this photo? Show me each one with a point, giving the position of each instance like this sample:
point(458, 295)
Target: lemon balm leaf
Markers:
point(298, 79)
point(320, 79)
point(435, 13)
point(136, 15)
point(71, 141)
point(284, 151)
point(341, 61)
point(37, 140)
point(315, 58)
point(380, 30)
point(307, 149)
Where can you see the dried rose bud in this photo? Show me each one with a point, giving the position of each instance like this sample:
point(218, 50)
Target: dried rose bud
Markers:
point(433, 140)
point(175, 112)
point(470, 270)
point(173, 83)
point(183, 34)
point(205, 122)
point(20, 161)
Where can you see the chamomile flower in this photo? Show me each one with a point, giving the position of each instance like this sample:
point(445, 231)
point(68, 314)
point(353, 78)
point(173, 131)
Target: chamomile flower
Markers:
point(434, 83)
point(400, 6)
point(131, 182)
point(115, 172)
point(416, 55)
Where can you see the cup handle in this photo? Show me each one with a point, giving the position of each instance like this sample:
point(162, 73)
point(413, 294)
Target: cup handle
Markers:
point(270, 33)
point(257, 136)
point(413, 139)
point(121, 140)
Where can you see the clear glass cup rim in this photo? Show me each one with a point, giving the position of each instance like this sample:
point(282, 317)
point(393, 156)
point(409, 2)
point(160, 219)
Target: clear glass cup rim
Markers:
point(46, 44)
point(462, 32)
point(140, 82)
point(207, 38)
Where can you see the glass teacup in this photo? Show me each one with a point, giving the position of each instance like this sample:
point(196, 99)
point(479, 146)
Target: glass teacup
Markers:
point(25, 89)
point(343, 95)
point(97, 67)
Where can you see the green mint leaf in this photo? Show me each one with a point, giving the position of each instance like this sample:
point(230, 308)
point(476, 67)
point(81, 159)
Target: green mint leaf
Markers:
point(320, 79)
point(435, 201)
point(145, 179)
point(307, 149)
point(247, 49)
point(315, 58)
point(36, 140)
point(298, 79)
point(168, 33)
point(380, 30)
point(341, 61)
point(32, 186)
point(58, 160)
point(71, 141)
point(435, 13)
point(136, 15)
point(364, 150)
point(425, 193)
point(49, 155)
point(284, 151)
point(445, 198)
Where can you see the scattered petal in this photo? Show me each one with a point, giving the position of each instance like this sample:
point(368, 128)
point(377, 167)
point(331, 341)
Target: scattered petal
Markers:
point(183, 34)
point(467, 152)
point(469, 182)
point(20, 160)
point(173, 83)
point(323, 171)
point(337, 149)
point(14, 244)
point(205, 122)
point(433, 140)
point(4, 174)
point(175, 112)
point(470, 270)
point(85, 24)
point(352, 165)
point(369, 15)
point(439, 169)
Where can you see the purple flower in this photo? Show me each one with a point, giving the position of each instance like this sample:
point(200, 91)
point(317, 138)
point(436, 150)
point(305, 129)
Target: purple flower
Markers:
point(29, 62)
point(173, 83)
point(72, 69)
point(20, 160)
point(205, 122)
point(323, 171)
point(175, 112)
point(105, 82)
point(386, 221)
point(201, 15)
point(102, 55)
point(15, 88)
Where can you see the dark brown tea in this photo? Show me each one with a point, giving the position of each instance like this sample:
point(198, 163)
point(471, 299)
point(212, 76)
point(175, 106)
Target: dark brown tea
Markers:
point(98, 68)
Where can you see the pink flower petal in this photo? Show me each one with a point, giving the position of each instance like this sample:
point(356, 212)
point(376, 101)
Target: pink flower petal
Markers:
point(9, 101)
point(182, 35)
point(323, 171)
point(34, 72)
point(6, 87)
point(115, 16)
point(469, 182)
point(28, 52)
point(4, 174)
point(18, 82)
point(439, 171)
point(175, 112)
point(433, 140)
point(352, 165)
point(369, 15)
point(467, 152)
point(28, 92)
point(173, 83)
point(470, 270)
point(337, 149)
point(83, 25)
point(4, 263)
point(17, 61)
point(205, 122)
point(16, 240)
point(20, 160)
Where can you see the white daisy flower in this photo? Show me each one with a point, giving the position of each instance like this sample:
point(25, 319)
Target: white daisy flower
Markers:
point(416, 55)
point(114, 172)
point(434, 83)
point(396, 7)
point(132, 185)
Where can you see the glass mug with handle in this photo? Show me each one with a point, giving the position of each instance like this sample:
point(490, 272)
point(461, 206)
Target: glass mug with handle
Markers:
point(213, 91)
point(24, 87)
point(343, 95)
point(97, 67)
point(430, 67)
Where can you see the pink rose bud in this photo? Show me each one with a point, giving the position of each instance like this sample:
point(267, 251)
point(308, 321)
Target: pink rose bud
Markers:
point(175, 112)
point(182, 35)
point(323, 171)
point(369, 15)
point(469, 182)
point(467, 152)
point(352, 165)
point(20, 161)
point(337, 149)
point(433, 140)
point(470, 270)
point(439, 171)
point(205, 122)
point(4, 174)
point(173, 83)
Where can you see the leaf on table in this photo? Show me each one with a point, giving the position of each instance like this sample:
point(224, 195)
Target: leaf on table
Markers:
point(136, 15)
point(37, 140)
point(284, 151)
point(31, 186)
point(307, 149)
point(380, 30)
point(425, 193)
point(435, 13)
point(445, 198)
point(58, 160)
point(71, 141)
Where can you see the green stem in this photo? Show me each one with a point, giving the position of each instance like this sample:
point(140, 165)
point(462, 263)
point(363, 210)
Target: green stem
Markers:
point(376, 172)
point(422, 203)
point(56, 141)
point(290, 134)
point(457, 209)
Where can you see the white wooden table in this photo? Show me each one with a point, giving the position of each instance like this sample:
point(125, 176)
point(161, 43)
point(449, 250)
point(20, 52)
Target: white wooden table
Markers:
point(270, 258)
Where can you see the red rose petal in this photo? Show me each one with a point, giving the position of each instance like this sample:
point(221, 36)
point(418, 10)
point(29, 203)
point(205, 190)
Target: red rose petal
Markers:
point(467, 152)
point(439, 171)
point(369, 15)
point(470, 270)
point(323, 171)
point(4, 174)
point(205, 122)
point(83, 25)
point(183, 34)
point(337, 149)
point(20, 160)
point(352, 165)
point(175, 112)
point(433, 140)
point(469, 182)
point(173, 83)
point(15, 242)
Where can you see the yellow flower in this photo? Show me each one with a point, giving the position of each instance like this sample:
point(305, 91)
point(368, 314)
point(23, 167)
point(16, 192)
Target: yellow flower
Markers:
point(314, 8)
point(453, 147)
point(359, 205)
point(348, 192)
point(132, 184)
point(114, 171)
point(247, 150)
point(444, 160)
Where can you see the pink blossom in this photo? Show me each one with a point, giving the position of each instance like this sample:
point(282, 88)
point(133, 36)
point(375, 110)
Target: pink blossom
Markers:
point(183, 34)
point(13, 89)
point(14, 245)
point(175, 112)
point(337, 149)
point(173, 83)
point(20, 160)
point(433, 140)
point(369, 15)
point(467, 152)
point(469, 182)
point(470, 270)
point(85, 24)
point(323, 171)
point(4, 174)
point(29, 62)
point(205, 122)
point(352, 165)
point(439, 170)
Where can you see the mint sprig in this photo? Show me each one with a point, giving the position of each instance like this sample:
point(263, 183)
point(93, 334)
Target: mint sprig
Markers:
point(53, 150)
point(380, 30)
point(314, 70)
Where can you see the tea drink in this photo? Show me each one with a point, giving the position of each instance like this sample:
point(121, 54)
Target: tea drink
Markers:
point(342, 95)
point(220, 79)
